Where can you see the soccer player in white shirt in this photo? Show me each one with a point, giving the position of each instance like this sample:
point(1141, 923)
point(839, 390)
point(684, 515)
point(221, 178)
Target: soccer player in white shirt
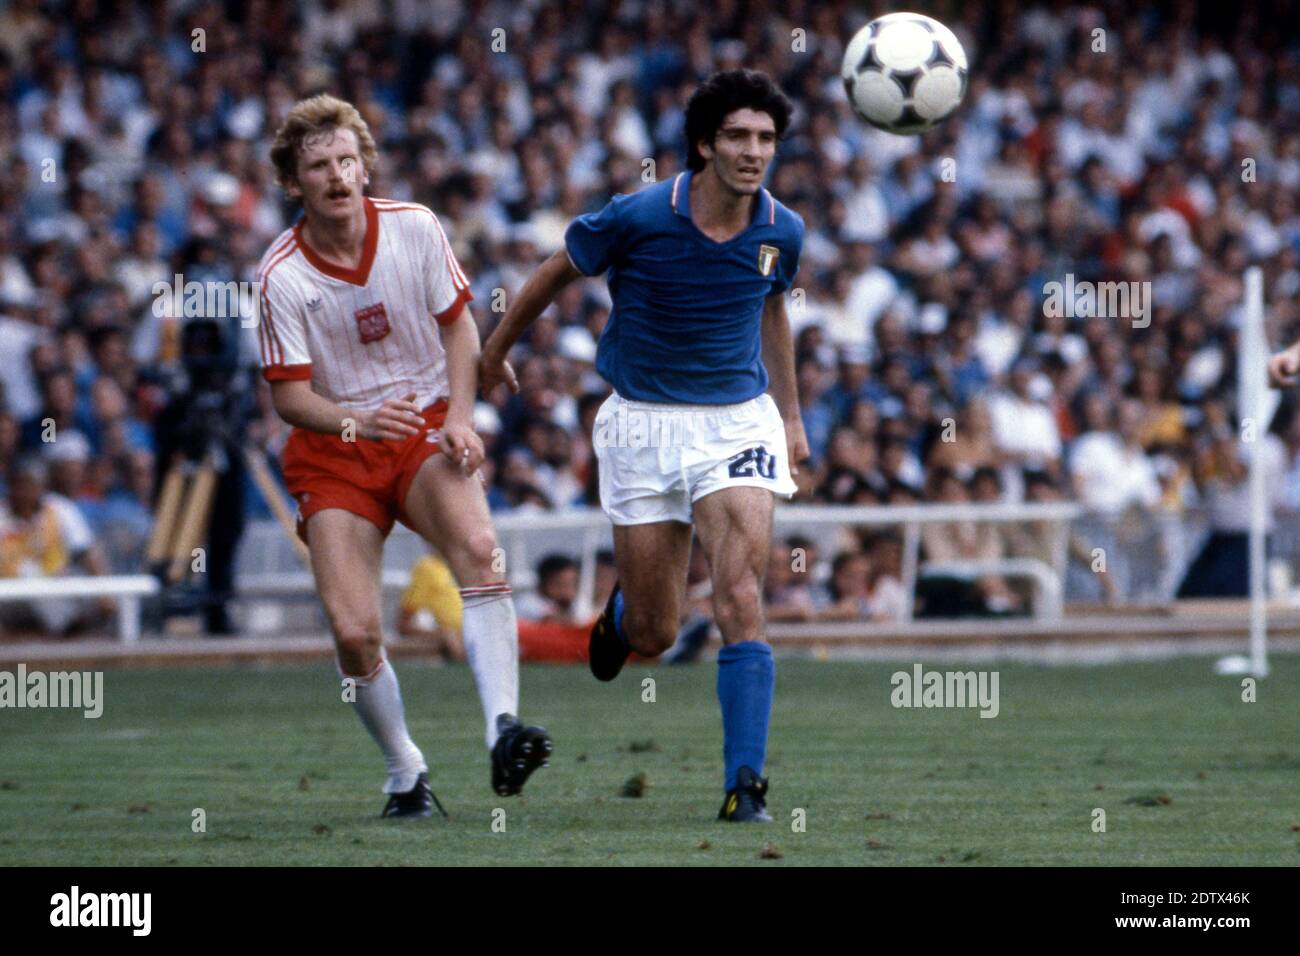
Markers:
point(371, 354)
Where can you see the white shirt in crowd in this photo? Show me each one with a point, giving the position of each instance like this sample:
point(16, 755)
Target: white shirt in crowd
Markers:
point(1024, 427)
point(17, 339)
point(1110, 476)
point(869, 297)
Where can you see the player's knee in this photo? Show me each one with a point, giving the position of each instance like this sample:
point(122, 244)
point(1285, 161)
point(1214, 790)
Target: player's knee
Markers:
point(476, 558)
point(649, 633)
point(738, 608)
point(359, 641)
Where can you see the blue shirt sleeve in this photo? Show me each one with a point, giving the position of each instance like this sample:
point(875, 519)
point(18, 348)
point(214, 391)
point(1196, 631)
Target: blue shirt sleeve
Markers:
point(593, 239)
point(787, 264)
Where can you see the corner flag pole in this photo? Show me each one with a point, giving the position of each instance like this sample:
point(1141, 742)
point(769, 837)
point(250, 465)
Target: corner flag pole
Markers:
point(1258, 404)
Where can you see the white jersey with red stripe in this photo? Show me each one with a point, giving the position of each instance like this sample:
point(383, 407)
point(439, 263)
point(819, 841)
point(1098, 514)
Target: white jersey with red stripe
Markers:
point(363, 335)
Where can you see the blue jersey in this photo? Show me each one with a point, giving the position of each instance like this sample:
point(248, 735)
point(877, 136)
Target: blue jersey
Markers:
point(685, 327)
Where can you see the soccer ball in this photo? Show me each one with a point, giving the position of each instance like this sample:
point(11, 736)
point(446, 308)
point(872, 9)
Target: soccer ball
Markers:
point(904, 72)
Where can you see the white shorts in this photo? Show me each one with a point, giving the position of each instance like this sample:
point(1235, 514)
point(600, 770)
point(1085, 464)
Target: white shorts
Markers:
point(657, 460)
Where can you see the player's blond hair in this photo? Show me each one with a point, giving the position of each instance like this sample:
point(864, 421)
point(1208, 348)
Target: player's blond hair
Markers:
point(315, 115)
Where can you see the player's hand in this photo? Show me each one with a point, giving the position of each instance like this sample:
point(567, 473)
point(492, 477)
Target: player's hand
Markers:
point(1284, 366)
point(493, 370)
point(394, 420)
point(796, 446)
point(460, 444)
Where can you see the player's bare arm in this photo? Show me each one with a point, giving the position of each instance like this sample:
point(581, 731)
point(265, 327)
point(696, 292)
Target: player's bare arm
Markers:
point(298, 405)
point(778, 358)
point(459, 442)
point(1284, 367)
point(538, 292)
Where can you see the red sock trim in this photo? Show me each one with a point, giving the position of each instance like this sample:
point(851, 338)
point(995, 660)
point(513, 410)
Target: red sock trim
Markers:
point(485, 590)
point(364, 680)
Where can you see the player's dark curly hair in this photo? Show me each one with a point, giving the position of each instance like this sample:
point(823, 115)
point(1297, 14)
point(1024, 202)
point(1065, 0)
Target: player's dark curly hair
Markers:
point(724, 93)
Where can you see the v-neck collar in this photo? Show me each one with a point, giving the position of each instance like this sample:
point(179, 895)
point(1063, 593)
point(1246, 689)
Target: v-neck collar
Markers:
point(764, 209)
point(359, 275)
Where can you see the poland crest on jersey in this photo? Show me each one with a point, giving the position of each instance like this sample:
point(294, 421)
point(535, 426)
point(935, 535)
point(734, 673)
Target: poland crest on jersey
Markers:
point(767, 256)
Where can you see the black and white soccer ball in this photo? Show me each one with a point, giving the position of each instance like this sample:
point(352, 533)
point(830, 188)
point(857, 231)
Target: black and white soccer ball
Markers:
point(904, 73)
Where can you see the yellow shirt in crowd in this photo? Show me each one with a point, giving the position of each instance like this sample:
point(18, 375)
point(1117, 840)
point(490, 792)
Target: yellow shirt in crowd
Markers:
point(433, 588)
point(30, 548)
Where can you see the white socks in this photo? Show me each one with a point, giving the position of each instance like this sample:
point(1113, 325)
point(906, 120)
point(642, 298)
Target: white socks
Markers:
point(492, 646)
point(379, 705)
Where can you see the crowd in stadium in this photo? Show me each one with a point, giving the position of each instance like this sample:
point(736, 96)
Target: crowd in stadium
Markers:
point(134, 139)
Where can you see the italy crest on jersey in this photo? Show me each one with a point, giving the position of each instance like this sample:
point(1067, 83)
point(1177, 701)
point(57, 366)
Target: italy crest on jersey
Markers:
point(767, 256)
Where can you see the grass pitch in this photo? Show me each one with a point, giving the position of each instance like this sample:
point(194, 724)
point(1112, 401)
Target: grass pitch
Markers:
point(1185, 771)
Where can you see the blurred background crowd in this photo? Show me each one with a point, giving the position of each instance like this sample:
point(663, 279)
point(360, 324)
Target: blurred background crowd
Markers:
point(1164, 149)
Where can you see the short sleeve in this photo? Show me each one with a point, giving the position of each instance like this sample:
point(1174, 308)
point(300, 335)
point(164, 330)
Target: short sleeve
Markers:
point(77, 536)
point(282, 335)
point(592, 240)
point(787, 264)
point(447, 284)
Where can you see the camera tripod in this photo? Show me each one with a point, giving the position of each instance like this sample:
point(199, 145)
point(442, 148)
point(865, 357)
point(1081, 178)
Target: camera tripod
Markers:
point(184, 511)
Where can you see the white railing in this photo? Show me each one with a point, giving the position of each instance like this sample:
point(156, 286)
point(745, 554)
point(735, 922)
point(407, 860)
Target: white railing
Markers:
point(1048, 578)
point(125, 589)
point(269, 565)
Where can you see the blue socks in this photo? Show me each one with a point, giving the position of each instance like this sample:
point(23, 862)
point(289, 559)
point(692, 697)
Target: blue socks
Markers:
point(746, 681)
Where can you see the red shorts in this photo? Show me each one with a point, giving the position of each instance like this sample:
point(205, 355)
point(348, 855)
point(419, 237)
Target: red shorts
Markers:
point(367, 478)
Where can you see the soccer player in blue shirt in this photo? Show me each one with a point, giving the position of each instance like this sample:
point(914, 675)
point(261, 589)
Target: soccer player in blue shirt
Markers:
point(703, 425)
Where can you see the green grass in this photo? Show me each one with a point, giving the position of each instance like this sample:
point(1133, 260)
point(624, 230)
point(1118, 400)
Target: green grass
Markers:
point(1186, 772)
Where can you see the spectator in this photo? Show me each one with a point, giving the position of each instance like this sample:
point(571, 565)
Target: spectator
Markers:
point(806, 560)
point(556, 593)
point(1163, 419)
point(1024, 428)
point(42, 535)
point(849, 461)
point(846, 596)
point(956, 592)
point(887, 597)
point(1038, 540)
point(968, 445)
point(1110, 468)
point(1221, 569)
point(787, 595)
point(958, 369)
point(818, 418)
point(18, 337)
point(60, 413)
